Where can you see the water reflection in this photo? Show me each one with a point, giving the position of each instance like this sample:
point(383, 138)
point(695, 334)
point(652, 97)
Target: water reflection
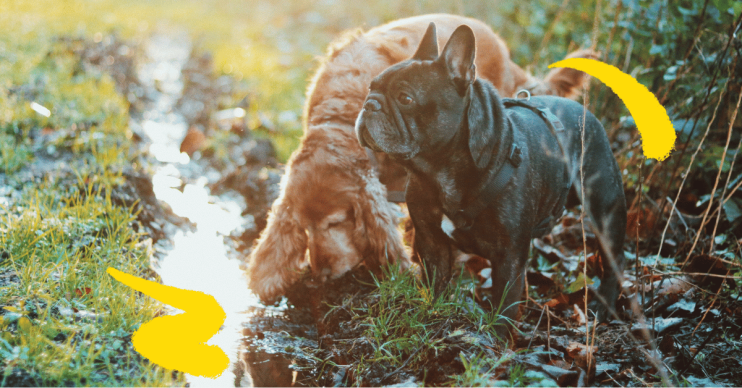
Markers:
point(255, 337)
point(198, 259)
point(268, 370)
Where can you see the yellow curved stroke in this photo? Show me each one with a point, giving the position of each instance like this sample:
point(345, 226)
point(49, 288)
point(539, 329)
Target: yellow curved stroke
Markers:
point(179, 341)
point(655, 128)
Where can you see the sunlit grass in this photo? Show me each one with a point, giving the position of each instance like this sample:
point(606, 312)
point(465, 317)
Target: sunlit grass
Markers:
point(233, 35)
point(65, 320)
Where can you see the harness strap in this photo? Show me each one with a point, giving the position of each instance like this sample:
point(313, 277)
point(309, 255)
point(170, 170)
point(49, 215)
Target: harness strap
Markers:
point(556, 126)
point(464, 219)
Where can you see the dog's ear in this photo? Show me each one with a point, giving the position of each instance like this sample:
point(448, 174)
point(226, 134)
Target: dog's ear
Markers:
point(458, 56)
point(566, 82)
point(376, 225)
point(481, 122)
point(428, 48)
point(276, 261)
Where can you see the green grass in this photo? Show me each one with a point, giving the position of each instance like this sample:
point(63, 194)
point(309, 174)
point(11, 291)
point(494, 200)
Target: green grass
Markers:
point(60, 242)
point(479, 371)
point(64, 321)
point(404, 321)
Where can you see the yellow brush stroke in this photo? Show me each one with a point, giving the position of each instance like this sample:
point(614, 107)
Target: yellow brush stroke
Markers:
point(655, 128)
point(179, 341)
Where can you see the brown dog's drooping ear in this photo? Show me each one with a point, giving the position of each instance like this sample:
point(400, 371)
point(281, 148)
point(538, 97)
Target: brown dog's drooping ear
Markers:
point(428, 48)
point(563, 81)
point(458, 56)
point(276, 261)
point(377, 225)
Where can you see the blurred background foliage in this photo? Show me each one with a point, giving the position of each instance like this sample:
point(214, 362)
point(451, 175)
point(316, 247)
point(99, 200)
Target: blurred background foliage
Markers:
point(676, 48)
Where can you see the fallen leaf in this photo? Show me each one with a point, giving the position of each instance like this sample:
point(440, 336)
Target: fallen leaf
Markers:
point(558, 302)
point(83, 291)
point(193, 141)
point(582, 355)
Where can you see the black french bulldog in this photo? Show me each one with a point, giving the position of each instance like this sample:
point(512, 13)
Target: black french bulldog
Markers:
point(499, 169)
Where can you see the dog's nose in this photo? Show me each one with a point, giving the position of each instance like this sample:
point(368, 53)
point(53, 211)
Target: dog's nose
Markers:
point(372, 105)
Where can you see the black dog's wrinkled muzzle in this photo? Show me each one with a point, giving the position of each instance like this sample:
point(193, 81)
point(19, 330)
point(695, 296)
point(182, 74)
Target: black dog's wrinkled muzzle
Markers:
point(381, 128)
point(364, 137)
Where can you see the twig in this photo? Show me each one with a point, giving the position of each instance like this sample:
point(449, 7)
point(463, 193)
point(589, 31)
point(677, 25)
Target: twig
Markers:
point(697, 114)
point(709, 308)
point(638, 225)
point(582, 208)
point(700, 274)
point(596, 23)
point(619, 5)
point(534, 329)
point(687, 171)
point(549, 312)
point(631, 371)
point(548, 331)
point(718, 176)
point(733, 264)
point(590, 348)
point(549, 32)
point(686, 281)
point(696, 35)
point(732, 192)
point(700, 348)
point(723, 194)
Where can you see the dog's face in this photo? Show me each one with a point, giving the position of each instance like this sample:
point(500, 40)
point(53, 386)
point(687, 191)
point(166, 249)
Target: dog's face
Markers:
point(322, 207)
point(330, 224)
point(333, 207)
point(418, 105)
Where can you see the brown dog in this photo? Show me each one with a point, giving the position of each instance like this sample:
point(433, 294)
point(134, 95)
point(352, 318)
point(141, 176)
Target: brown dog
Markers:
point(333, 200)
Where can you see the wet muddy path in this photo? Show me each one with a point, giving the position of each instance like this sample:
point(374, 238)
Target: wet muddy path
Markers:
point(205, 254)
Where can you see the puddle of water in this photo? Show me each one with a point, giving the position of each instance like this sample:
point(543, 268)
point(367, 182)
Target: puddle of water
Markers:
point(198, 260)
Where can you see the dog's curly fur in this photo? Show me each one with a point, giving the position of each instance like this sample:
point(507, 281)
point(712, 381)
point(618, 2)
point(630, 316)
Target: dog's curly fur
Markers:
point(333, 200)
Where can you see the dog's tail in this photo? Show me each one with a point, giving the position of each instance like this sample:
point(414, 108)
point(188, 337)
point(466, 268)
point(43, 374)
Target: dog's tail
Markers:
point(563, 82)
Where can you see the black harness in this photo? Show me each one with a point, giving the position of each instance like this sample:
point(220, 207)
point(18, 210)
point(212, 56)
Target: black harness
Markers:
point(465, 217)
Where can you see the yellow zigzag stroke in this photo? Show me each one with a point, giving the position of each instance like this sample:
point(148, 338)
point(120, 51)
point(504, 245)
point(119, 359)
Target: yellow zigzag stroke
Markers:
point(655, 128)
point(179, 341)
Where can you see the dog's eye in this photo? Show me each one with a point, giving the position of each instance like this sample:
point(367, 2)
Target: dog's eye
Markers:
point(405, 99)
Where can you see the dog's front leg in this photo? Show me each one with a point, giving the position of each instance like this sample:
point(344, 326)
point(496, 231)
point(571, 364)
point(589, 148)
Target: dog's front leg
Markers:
point(431, 245)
